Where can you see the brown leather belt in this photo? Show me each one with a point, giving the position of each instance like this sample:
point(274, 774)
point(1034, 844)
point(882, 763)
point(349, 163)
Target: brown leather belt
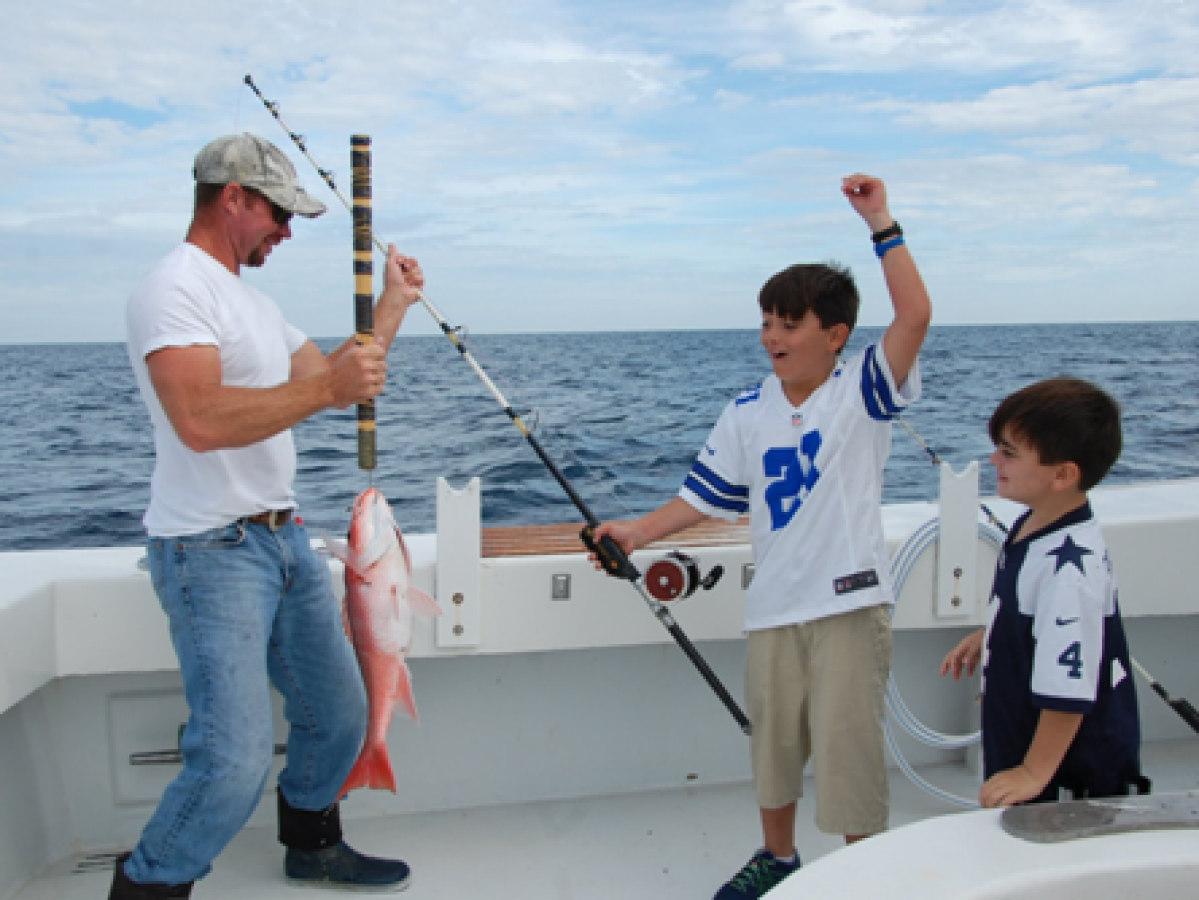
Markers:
point(274, 519)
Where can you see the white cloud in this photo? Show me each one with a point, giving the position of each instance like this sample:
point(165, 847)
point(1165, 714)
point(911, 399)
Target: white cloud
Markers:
point(1090, 38)
point(561, 165)
point(1158, 116)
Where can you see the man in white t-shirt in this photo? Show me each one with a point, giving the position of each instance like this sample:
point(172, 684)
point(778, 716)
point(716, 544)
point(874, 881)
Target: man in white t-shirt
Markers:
point(803, 455)
point(225, 377)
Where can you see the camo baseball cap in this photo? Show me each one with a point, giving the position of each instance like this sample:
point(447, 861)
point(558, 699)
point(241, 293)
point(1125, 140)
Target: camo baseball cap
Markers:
point(254, 163)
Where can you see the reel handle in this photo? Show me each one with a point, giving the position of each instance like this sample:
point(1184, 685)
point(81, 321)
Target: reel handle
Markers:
point(610, 555)
point(712, 577)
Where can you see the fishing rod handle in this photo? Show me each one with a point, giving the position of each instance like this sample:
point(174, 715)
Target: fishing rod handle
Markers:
point(364, 286)
point(610, 555)
point(1187, 712)
point(1180, 705)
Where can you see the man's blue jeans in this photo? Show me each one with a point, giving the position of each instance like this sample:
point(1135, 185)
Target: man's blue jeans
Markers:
point(246, 605)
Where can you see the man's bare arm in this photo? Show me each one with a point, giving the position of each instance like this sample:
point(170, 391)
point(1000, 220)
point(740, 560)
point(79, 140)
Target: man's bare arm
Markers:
point(208, 415)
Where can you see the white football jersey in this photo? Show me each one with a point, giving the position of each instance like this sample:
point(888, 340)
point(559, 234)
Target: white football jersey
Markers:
point(811, 479)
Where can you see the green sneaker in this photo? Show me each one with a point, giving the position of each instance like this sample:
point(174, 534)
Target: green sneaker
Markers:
point(757, 877)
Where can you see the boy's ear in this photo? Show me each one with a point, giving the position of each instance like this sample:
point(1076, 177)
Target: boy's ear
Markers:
point(838, 336)
point(1066, 476)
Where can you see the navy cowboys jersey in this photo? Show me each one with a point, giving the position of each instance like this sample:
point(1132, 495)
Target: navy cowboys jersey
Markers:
point(811, 479)
point(1055, 641)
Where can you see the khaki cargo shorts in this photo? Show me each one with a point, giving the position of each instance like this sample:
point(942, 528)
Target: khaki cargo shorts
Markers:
point(815, 690)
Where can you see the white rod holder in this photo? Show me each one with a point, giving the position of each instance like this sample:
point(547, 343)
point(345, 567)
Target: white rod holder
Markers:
point(957, 544)
point(459, 556)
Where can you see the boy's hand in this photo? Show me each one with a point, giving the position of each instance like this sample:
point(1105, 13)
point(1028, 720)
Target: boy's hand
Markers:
point(1011, 786)
point(966, 654)
point(868, 197)
point(626, 534)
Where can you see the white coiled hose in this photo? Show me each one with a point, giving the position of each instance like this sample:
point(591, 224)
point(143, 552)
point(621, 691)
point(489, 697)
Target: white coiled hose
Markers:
point(901, 567)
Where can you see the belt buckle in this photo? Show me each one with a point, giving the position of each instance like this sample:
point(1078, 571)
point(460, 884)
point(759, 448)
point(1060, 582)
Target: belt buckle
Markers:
point(273, 516)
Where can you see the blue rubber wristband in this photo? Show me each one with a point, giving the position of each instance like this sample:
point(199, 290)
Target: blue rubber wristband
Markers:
point(880, 250)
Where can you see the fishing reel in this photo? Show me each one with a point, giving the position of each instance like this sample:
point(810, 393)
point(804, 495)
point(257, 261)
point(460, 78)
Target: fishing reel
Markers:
point(676, 577)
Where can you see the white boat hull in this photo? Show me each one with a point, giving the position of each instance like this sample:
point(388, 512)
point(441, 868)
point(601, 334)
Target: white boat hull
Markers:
point(555, 722)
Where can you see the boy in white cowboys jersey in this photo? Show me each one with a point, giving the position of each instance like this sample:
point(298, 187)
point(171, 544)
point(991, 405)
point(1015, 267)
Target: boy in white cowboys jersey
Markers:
point(803, 454)
point(1059, 705)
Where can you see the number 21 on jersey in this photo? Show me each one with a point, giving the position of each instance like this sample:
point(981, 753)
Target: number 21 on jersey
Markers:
point(795, 473)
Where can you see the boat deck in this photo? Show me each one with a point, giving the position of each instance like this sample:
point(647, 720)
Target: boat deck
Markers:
point(560, 538)
point(662, 845)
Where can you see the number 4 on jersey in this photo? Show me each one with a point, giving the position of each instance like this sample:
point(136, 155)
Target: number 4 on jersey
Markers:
point(796, 474)
point(1071, 658)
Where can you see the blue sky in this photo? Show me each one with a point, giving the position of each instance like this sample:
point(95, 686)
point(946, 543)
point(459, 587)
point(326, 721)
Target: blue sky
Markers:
point(617, 165)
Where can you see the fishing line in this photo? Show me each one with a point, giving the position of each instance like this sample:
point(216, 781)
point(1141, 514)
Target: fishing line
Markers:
point(554, 434)
point(606, 483)
point(609, 554)
point(237, 113)
point(937, 461)
point(551, 433)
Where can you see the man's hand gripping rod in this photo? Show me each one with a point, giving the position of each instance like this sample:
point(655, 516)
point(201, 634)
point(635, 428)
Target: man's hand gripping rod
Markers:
point(611, 556)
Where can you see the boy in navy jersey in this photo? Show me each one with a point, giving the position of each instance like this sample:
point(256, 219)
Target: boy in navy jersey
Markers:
point(1059, 706)
point(803, 454)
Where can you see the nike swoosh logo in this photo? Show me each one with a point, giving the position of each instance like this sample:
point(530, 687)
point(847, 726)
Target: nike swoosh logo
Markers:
point(1067, 621)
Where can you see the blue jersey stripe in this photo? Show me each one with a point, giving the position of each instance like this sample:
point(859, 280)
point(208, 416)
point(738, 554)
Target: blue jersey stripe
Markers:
point(880, 403)
point(733, 490)
point(749, 396)
point(706, 494)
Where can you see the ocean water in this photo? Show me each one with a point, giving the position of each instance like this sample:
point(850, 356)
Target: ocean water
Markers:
point(622, 414)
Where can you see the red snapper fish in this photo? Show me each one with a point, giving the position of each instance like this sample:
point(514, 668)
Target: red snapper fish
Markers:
point(380, 604)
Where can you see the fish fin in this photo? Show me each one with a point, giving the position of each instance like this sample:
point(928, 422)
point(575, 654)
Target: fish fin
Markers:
point(422, 604)
point(371, 770)
point(340, 550)
point(403, 694)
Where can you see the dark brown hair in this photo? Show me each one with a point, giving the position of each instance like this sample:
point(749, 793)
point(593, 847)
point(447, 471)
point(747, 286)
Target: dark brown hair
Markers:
point(207, 194)
point(1064, 420)
point(826, 289)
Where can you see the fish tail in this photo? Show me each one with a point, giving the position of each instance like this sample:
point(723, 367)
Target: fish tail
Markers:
point(372, 770)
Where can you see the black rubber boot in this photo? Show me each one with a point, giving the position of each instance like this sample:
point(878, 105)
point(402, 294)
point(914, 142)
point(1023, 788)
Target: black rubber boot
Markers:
point(124, 889)
point(300, 829)
point(318, 857)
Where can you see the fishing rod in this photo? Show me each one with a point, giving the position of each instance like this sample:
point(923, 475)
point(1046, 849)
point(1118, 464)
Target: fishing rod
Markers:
point(364, 287)
point(1180, 705)
point(610, 555)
